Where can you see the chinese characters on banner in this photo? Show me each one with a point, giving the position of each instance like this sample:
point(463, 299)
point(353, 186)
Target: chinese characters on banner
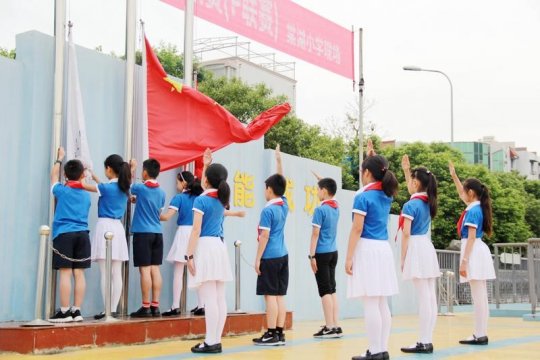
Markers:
point(289, 194)
point(284, 26)
point(312, 200)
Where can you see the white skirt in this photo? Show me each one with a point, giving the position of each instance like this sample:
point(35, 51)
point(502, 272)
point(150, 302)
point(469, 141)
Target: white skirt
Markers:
point(211, 262)
point(373, 268)
point(119, 243)
point(480, 264)
point(421, 260)
point(180, 243)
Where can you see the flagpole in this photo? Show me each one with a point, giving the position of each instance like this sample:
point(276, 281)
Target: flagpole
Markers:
point(131, 21)
point(188, 42)
point(60, 42)
point(360, 107)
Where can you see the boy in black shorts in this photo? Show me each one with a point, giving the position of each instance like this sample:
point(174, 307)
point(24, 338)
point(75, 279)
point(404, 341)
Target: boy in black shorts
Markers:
point(70, 236)
point(323, 255)
point(272, 261)
point(148, 237)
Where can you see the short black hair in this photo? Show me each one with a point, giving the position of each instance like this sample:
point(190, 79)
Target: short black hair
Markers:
point(328, 184)
point(73, 169)
point(277, 183)
point(152, 167)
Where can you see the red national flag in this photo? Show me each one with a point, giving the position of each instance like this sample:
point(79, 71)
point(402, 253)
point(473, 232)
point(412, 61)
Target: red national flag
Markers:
point(183, 123)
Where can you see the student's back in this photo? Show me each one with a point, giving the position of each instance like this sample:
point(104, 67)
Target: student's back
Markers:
point(149, 202)
point(72, 207)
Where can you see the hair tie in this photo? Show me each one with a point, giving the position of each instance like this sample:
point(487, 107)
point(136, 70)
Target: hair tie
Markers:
point(383, 170)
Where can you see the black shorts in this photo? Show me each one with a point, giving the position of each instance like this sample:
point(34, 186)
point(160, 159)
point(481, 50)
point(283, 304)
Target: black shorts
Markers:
point(75, 245)
point(274, 278)
point(147, 249)
point(326, 272)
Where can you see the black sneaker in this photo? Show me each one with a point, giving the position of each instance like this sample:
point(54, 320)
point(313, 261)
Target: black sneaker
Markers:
point(419, 348)
point(199, 312)
point(143, 312)
point(325, 333)
point(76, 315)
point(171, 312)
point(101, 315)
point(205, 348)
point(338, 331)
point(61, 317)
point(281, 337)
point(154, 310)
point(268, 339)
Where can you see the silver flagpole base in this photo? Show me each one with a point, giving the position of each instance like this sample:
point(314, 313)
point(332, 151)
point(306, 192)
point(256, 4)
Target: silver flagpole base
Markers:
point(239, 311)
point(37, 322)
point(110, 319)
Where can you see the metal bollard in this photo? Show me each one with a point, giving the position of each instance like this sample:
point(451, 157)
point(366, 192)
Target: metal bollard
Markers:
point(183, 295)
point(237, 260)
point(450, 288)
point(44, 232)
point(108, 269)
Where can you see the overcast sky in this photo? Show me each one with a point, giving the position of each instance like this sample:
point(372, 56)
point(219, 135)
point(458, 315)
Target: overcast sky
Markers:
point(489, 48)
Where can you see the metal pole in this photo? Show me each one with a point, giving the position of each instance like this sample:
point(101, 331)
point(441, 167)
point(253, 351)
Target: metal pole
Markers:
point(108, 270)
point(532, 280)
point(183, 296)
point(131, 30)
point(237, 272)
point(60, 42)
point(497, 283)
point(188, 42)
point(44, 232)
point(450, 282)
point(360, 107)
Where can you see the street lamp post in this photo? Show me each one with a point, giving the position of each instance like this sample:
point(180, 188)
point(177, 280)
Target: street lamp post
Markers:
point(416, 68)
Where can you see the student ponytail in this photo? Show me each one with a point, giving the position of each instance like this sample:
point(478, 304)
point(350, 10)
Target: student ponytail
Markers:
point(429, 184)
point(121, 169)
point(482, 192)
point(216, 175)
point(378, 167)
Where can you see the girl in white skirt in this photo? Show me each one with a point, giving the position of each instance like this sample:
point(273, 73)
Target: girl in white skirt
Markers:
point(207, 257)
point(418, 257)
point(370, 262)
point(182, 204)
point(476, 264)
point(112, 204)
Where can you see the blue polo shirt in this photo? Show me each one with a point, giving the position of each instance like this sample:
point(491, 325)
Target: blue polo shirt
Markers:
point(212, 211)
point(418, 212)
point(374, 205)
point(474, 217)
point(326, 219)
point(183, 203)
point(72, 207)
point(112, 201)
point(273, 219)
point(150, 201)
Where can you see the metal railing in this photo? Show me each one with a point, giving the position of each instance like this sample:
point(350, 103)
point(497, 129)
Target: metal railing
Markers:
point(512, 275)
point(533, 258)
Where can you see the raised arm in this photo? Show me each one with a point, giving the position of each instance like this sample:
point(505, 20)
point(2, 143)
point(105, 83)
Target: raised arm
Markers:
point(88, 187)
point(457, 182)
point(55, 171)
point(207, 160)
point(317, 176)
point(370, 151)
point(279, 166)
point(406, 166)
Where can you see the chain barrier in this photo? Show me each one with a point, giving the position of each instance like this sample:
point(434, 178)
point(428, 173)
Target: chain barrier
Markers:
point(67, 257)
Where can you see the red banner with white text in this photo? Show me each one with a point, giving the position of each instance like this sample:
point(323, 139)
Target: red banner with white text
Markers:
point(284, 26)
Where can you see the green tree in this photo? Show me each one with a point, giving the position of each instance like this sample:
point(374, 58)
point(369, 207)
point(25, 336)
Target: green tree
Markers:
point(7, 53)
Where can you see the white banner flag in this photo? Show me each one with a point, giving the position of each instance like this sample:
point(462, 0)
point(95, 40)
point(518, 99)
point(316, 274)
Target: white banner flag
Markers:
point(140, 112)
point(76, 141)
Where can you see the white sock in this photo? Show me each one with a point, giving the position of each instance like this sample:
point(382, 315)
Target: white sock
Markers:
point(117, 284)
point(200, 302)
point(64, 309)
point(373, 323)
point(75, 308)
point(481, 307)
point(427, 308)
point(386, 322)
point(212, 293)
point(178, 278)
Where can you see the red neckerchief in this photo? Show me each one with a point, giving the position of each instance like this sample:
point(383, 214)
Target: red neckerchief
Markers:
point(401, 221)
point(212, 194)
point(460, 222)
point(74, 184)
point(332, 203)
point(151, 184)
point(278, 203)
point(374, 186)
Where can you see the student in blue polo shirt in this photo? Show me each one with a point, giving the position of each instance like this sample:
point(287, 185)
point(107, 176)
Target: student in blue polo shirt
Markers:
point(323, 255)
point(148, 237)
point(476, 264)
point(70, 236)
point(370, 261)
point(207, 257)
point(418, 257)
point(272, 259)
